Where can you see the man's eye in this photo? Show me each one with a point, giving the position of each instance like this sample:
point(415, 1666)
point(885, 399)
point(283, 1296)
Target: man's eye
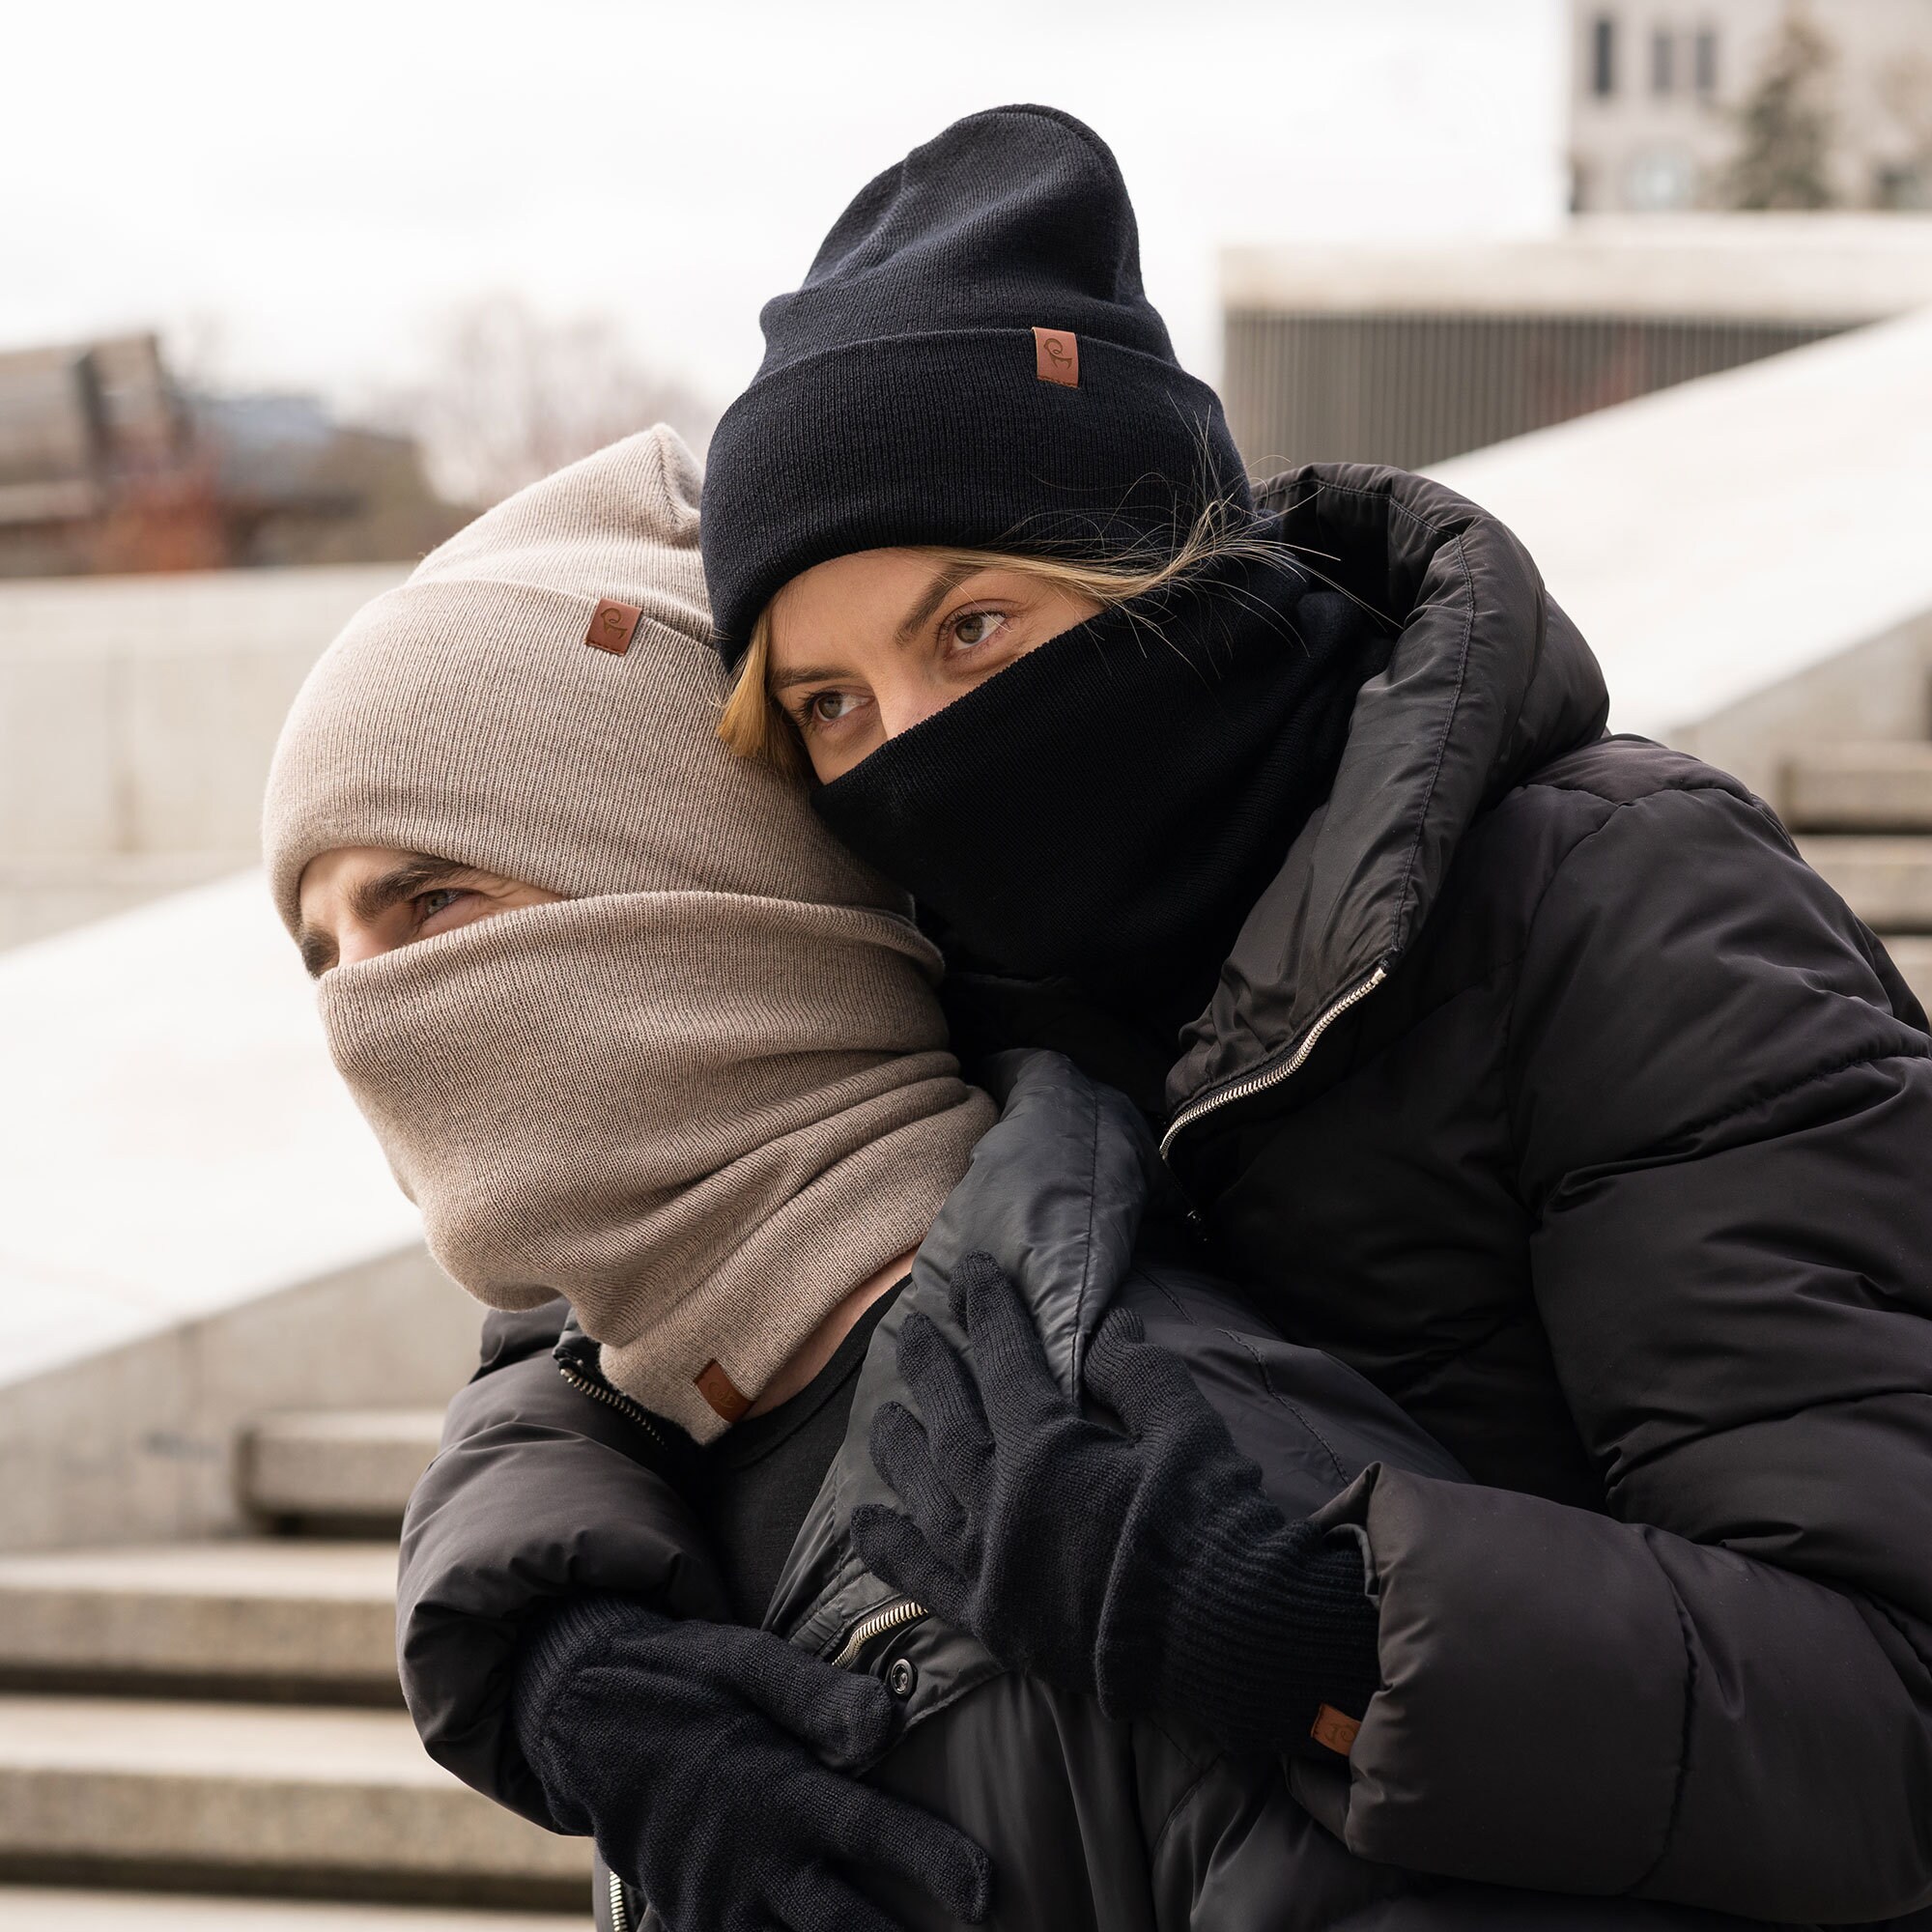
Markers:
point(976, 627)
point(429, 905)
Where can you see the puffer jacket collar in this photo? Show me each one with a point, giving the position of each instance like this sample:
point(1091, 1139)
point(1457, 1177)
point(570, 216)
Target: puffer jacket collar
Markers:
point(1055, 1194)
point(1487, 681)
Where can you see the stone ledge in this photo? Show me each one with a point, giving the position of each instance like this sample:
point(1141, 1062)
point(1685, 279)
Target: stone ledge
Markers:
point(284, 1616)
point(337, 1464)
point(300, 1799)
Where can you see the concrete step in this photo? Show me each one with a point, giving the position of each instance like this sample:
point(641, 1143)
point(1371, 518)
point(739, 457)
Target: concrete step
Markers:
point(1886, 881)
point(53, 1909)
point(337, 1466)
point(1861, 789)
point(1913, 958)
point(270, 1618)
point(332, 1804)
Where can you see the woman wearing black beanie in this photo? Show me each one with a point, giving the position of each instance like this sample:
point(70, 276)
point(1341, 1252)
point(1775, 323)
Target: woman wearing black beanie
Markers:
point(1526, 1070)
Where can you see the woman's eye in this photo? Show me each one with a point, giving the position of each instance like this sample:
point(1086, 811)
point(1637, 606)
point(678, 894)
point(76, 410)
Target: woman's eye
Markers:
point(828, 707)
point(975, 626)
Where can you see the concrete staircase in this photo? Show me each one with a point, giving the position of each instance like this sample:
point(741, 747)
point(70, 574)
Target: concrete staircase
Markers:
point(1863, 818)
point(211, 1734)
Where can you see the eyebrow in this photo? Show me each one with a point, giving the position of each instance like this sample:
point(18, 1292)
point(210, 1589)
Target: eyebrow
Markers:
point(944, 583)
point(373, 897)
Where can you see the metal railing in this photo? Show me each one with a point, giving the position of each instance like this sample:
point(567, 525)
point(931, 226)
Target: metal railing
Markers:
point(1414, 388)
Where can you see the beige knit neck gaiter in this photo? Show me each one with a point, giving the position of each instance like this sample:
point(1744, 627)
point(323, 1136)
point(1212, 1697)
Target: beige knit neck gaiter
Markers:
point(706, 1094)
point(704, 1118)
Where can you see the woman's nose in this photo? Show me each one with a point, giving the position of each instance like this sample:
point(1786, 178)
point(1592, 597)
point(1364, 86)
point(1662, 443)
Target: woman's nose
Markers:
point(909, 701)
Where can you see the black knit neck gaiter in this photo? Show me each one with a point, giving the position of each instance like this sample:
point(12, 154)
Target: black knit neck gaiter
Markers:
point(1108, 808)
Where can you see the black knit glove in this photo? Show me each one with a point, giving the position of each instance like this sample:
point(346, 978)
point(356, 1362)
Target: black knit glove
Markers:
point(696, 1755)
point(1148, 1569)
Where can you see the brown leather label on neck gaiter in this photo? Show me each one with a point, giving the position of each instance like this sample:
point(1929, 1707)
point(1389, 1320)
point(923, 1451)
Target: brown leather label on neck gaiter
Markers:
point(1056, 356)
point(721, 1392)
point(613, 626)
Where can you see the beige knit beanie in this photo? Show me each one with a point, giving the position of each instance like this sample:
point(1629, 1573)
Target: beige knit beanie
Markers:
point(709, 1094)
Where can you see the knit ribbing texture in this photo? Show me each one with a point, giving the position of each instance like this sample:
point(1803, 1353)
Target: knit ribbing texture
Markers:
point(900, 399)
point(708, 1094)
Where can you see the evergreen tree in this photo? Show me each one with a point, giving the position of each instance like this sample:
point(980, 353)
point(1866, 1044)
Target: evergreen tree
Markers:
point(1785, 125)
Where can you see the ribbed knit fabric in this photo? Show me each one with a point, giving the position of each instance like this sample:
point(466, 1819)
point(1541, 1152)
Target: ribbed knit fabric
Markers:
point(709, 1094)
point(1176, 1586)
point(901, 398)
point(1109, 808)
point(714, 1765)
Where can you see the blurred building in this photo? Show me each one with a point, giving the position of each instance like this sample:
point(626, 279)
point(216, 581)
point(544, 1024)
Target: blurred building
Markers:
point(1413, 356)
point(108, 464)
point(1665, 95)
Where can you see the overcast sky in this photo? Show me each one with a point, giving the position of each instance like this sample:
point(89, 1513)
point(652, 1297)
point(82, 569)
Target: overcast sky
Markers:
point(298, 193)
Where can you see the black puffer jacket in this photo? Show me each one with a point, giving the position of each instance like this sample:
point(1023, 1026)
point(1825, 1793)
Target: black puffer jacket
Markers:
point(540, 1489)
point(1548, 1087)
point(1550, 1090)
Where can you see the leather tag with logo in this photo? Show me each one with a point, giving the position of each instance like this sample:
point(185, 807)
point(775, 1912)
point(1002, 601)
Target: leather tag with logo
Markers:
point(613, 626)
point(1335, 1729)
point(721, 1392)
point(1056, 356)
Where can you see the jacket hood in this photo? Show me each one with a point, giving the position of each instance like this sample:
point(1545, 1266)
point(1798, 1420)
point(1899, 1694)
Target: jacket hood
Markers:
point(1055, 1194)
point(1488, 680)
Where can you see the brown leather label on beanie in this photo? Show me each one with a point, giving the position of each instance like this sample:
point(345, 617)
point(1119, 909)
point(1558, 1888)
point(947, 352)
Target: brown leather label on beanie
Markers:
point(613, 626)
point(721, 1392)
point(1056, 356)
point(1335, 1729)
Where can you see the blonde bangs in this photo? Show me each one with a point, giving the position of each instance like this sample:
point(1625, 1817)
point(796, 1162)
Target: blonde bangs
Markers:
point(755, 726)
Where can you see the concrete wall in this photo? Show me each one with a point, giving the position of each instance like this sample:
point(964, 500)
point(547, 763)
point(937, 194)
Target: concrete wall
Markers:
point(195, 1223)
point(137, 716)
point(1747, 554)
point(140, 1443)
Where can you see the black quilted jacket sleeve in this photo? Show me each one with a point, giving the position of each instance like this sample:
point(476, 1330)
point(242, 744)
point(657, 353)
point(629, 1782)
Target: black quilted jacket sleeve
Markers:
point(538, 1489)
point(1720, 1693)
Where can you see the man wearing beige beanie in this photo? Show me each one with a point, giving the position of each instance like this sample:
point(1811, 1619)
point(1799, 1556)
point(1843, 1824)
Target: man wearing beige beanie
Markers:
point(634, 1033)
point(631, 1029)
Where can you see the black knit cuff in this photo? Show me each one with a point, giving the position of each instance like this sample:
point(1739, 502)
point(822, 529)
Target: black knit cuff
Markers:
point(559, 1640)
point(1255, 1634)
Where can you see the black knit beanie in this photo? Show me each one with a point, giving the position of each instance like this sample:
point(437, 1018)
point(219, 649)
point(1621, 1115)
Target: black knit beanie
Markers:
point(972, 361)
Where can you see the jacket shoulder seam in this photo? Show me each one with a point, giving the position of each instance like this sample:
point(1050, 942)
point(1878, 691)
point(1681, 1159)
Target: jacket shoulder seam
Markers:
point(1076, 1368)
point(1269, 1388)
point(1180, 1804)
point(1248, 1349)
point(1540, 781)
point(1683, 1776)
point(1865, 1057)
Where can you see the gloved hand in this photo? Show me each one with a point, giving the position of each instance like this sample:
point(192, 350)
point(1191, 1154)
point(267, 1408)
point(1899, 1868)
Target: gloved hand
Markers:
point(1148, 1569)
point(714, 1766)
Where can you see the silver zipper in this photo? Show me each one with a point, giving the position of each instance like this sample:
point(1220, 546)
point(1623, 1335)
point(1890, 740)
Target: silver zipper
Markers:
point(621, 1403)
point(620, 1906)
point(1257, 1083)
point(890, 1617)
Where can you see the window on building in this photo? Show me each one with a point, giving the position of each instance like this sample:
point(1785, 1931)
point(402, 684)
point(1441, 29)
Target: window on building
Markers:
point(1903, 186)
point(1604, 56)
point(1663, 61)
point(1659, 180)
point(1704, 62)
